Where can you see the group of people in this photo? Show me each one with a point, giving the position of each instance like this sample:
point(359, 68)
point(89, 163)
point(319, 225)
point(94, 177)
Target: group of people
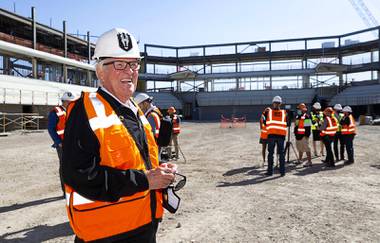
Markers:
point(113, 181)
point(330, 126)
point(108, 146)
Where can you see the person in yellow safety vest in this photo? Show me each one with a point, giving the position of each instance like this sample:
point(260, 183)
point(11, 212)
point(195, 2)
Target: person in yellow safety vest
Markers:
point(263, 134)
point(338, 135)
point(302, 131)
point(56, 128)
point(348, 133)
point(112, 177)
point(316, 122)
point(328, 130)
point(152, 113)
point(276, 122)
point(176, 121)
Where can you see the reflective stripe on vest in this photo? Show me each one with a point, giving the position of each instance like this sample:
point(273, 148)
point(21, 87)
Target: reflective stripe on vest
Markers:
point(349, 129)
point(276, 122)
point(117, 150)
point(157, 122)
point(331, 128)
point(301, 125)
point(176, 127)
point(60, 127)
point(338, 118)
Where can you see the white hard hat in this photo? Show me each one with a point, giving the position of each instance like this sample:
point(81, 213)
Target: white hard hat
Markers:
point(277, 99)
point(337, 107)
point(117, 43)
point(347, 109)
point(68, 96)
point(140, 97)
point(317, 106)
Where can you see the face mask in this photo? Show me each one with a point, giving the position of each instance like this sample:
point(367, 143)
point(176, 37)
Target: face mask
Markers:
point(170, 200)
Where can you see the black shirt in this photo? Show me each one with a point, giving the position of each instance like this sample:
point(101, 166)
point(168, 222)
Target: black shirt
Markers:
point(81, 159)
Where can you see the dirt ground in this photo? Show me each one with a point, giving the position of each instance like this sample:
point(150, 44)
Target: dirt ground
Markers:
point(227, 197)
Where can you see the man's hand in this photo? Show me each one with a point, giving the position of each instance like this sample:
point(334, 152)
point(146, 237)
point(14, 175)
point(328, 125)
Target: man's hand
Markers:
point(159, 178)
point(169, 167)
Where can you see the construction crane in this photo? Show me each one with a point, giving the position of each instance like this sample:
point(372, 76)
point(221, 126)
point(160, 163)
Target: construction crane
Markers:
point(364, 13)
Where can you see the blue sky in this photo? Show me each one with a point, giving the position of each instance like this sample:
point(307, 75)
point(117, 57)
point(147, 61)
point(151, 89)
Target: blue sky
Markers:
point(192, 22)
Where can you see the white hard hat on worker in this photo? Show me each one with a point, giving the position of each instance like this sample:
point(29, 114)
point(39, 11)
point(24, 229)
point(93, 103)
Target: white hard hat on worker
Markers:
point(277, 99)
point(68, 96)
point(118, 62)
point(317, 106)
point(347, 109)
point(338, 107)
point(141, 97)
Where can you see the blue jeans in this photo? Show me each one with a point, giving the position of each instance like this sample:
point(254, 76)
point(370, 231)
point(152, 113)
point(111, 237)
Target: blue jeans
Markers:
point(272, 141)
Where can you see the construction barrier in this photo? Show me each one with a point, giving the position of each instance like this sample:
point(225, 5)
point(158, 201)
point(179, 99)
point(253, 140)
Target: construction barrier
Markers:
point(234, 122)
point(239, 122)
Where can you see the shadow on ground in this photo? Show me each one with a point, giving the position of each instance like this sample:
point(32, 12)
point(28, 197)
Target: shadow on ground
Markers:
point(38, 233)
point(260, 177)
point(29, 204)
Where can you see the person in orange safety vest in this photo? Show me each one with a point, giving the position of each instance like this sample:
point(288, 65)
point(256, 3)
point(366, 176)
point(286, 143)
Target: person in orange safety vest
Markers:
point(302, 132)
point(276, 122)
point(56, 128)
point(328, 130)
point(175, 132)
point(113, 180)
point(152, 113)
point(348, 133)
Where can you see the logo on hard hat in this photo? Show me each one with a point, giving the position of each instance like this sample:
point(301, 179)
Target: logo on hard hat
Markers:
point(125, 41)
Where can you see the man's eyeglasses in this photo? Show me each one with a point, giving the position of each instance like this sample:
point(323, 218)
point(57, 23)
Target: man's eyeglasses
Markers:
point(122, 65)
point(180, 184)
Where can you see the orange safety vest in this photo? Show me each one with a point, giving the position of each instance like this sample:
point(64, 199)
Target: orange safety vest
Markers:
point(176, 127)
point(349, 129)
point(264, 132)
point(157, 121)
point(301, 125)
point(276, 122)
point(332, 127)
point(92, 220)
point(61, 114)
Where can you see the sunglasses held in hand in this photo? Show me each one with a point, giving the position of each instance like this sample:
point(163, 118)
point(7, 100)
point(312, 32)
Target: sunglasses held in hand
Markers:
point(180, 184)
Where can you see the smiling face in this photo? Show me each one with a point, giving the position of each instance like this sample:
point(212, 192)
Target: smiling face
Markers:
point(121, 83)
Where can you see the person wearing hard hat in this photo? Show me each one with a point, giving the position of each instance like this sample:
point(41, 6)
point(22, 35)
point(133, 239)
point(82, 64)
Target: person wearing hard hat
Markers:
point(348, 133)
point(338, 151)
point(56, 128)
point(276, 123)
point(175, 132)
point(112, 177)
point(302, 131)
point(263, 134)
point(316, 122)
point(151, 112)
point(328, 130)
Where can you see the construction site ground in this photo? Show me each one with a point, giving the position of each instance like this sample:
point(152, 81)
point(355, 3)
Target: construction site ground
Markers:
point(227, 197)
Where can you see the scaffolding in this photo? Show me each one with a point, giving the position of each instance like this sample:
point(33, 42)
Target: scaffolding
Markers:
point(24, 121)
